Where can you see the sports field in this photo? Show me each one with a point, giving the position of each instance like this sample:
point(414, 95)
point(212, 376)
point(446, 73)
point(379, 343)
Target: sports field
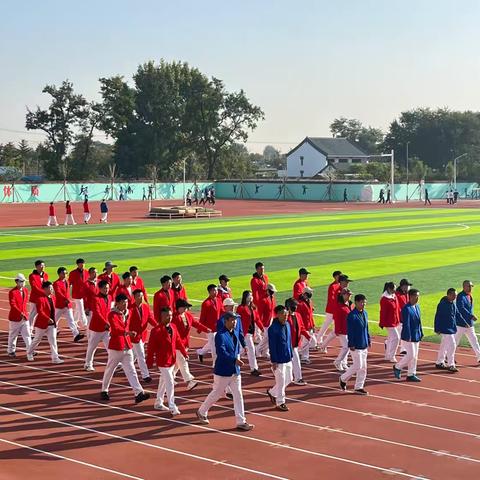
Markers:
point(434, 249)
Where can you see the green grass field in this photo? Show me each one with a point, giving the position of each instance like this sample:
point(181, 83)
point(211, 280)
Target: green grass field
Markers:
point(434, 249)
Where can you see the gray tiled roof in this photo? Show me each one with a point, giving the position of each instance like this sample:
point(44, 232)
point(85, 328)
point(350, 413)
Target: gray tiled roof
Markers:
point(336, 147)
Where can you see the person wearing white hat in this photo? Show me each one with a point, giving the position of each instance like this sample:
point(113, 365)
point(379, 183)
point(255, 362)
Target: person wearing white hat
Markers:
point(18, 323)
point(266, 309)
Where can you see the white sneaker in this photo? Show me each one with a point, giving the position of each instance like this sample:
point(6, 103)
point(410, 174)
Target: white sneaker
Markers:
point(339, 366)
point(89, 368)
point(191, 384)
point(58, 361)
point(30, 358)
point(202, 418)
point(175, 411)
point(161, 407)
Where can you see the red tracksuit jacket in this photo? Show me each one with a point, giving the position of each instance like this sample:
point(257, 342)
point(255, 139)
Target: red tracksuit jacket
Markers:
point(113, 281)
point(162, 347)
point(340, 317)
point(100, 307)
point(162, 298)
point(298, 287)
point(138, 284)
point(265, 306)
point(77, 279)
point(210, 312)
point(185, 324)
point(18, 304)
point(179, 293)
point(90, 290)
point(333, 291)
point(305, 310)
point(45, 315)
point(35, 280)
point(119, 331)
point(248, 315)
point(259, 287)
point(123, 289)
point(299, 331)
point(389, 312)
point(140, 317)
point(62, 294)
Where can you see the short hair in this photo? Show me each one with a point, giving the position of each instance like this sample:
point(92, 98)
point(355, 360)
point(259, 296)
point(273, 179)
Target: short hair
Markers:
point(136, 291)
point(126, 275)
point(413, 291)
point(46, 284)
point(38, 262)
point(92, 269)
point(258, 264)
point(165, 309)
point(336, 272)
point(228, 316)
point(359, 297)
point(61, 269)
point(102, 283)
point(120, 297)
point(164, 279)
point(133, 269)
point(279, 308)
point(389, 286)
point(290, 302)
point(176, 274)
point(211, 287)
point(451, 290)
point(79, 260)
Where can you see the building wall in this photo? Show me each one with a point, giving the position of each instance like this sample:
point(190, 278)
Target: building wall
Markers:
point(313, 161)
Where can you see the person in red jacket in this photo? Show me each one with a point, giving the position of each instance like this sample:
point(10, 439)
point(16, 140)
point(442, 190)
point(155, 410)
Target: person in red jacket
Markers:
point(390, 319)
point(224, 291)
point(178, 288)
point(126, 288)
point(17, 316)
point(63, 305)
point(77, 279)
point(402, 299)
point(90, 290)
point(249, 316)
point(45, 324)
point(69, 214)
point(210, 313)
point(298, 333)
point(162, 351)
point(137, 282)
point(98, 327)
point(258, 286)
point(52, 216)
point(300, 283)
point(140, 317)
point(86, 211)
point(266, 308)
point(110, 276)
point(305, 311)
point(333, 291)
point(343, 307)
point(163, 297)
point(120, 350)
point(35, 279)
point(184, 321)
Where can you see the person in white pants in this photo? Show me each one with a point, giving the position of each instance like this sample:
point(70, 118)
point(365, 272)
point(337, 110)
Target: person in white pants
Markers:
point(390, 319)
point(120, 351)
point(17, 316)
point(69, 215)
point(299, 334)
point(305, 314)
point(466, 318)
point(412, 333)
point(103, 211)
point(226, 373)
point(45, 324)
point(358, 343)
point(402, 299)
point(86, 211)
point(281, 354)
point(446, 325)
point(77, 280)
point(52, 217)
point(162, 351)
point(36, 279)
point(342, 309)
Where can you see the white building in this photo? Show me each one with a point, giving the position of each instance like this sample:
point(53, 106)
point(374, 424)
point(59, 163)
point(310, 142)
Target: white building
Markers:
point(315, 155)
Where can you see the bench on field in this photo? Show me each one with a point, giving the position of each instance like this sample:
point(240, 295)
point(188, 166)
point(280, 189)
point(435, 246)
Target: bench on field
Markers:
point(183, 212)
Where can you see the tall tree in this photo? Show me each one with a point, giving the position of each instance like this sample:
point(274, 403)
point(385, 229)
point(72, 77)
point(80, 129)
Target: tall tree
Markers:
point(368, 139)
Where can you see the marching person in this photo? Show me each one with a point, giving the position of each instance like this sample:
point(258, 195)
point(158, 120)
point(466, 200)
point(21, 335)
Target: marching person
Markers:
point(249, 317)
point(224, 291)
point(86, 211)
point(266, 307)
point(36, 279)
point(332, 294)
point(390, 319)
point(184, 321)
point(103, 211)
point(63, 304)
point(280, 345)
point(298, 332)
point(305, 312)
point(69, 214)
point(445, 325)
point(110, 276)
point(466, 318)
point(45, 324)
point(17, 316)
point(120, 350)
point(163, 297)
point(90, 290)
point(126, 288)
point(52, 216)
point(77, 279)
point(402, 300)
point(162, 351)
point(210, 312)
point(258, 286)
point(343, 308)
point(226, 373)
point(98, 327)
point(411, 334)
point(300, 283)
point(358, 343)
point(178, 288)
point(140, 317)
point(137, 282)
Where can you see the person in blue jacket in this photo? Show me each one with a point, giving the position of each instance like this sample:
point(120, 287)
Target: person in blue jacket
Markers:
point(103, 211)
point(226, 373)
point(412, 333)
point(446, 326)
point(358, 343)
point(280, 346)
point(466, 318)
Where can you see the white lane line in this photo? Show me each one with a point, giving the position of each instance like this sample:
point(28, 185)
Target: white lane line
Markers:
point(61, 457)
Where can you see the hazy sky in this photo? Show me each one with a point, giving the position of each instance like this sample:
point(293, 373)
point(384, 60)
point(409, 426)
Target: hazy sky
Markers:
point(305, 62)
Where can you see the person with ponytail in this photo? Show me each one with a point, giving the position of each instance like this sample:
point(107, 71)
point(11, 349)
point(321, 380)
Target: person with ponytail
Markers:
point(390, 319)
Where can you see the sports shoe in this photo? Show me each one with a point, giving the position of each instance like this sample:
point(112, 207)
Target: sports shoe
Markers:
point(141, 397)
point(413, 378)
point(361, 391)
point(174, 412)
point(441, 366)
point(300, 381)
point(191, 384)
point(229, 396)
point(272, 398)
point(202, 418)
point(200, 357)
point(323, 349)
point(255, 372)
point(397, 372)
point(339, 366)
point(105, 396)
point(89, 368)
point(30, 358)
point(78, 337)
point(452, 369)
point(305, 361)
point(12, 355)
point(58, 361)
point(283, 407)
point(160, 406)
point(343, 385)
point(245, 427)
point(147, 380)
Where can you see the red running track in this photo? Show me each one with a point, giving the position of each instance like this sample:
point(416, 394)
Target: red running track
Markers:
point(53, 423)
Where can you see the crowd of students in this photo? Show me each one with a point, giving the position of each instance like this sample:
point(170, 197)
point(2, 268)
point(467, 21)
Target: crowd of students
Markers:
point(116, 311)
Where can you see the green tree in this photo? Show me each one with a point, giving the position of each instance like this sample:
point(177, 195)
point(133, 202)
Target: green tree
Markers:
point(368, 139)
point(10, 156)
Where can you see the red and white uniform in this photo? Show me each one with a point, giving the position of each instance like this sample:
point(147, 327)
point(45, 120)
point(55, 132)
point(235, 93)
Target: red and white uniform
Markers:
point(113, 280)
point(162, 298)
point(390, 319)
point(17, 316)
point(179, 293)
point(210, 313)
point(224, 292)
point(122, 289)
point(298, 332)
point(98, 328)
point(90, 290)
point(69, 215)
point(138, 284)
point(402, 299)
point(332, 295)
point(63, 305)
point(86, 212)
point(77, 279)
point(258, 286)
point(249, 317)
point(298, 287)
point(52, 217)
point(35, 280)
point(305, 314)
point(140, 317)
point(340, 319)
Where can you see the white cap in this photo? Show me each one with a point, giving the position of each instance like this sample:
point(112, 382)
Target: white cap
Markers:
point(271, 287)
point(307, 290)
point(229, 302)
point(20, 277)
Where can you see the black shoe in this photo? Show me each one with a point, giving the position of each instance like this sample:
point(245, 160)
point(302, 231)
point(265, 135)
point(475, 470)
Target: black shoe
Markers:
point(141, 397)
point(361, 391)
point(343, 385)
point(78, 337)
point(105, 396)
point(452, 369)
point(12, 355)
point(255, 373)
point(283, 407)
point(272, 398)
point(200, 357)
point(440, 366)
point(403, 352)
point(147, 380)
point(229, 396)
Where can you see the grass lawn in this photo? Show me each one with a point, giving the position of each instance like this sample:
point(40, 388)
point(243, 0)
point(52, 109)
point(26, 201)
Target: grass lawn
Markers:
point(434, 248)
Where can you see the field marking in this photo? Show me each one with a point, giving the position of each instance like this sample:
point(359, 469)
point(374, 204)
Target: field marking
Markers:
point(250, 438)
point(61, 457)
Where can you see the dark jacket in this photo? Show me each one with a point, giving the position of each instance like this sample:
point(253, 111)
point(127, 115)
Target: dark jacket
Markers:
point(357, 330)
point(411, 323)
point(465, 310)
point(445, 317)
point(238, 328)
point(280, 342)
